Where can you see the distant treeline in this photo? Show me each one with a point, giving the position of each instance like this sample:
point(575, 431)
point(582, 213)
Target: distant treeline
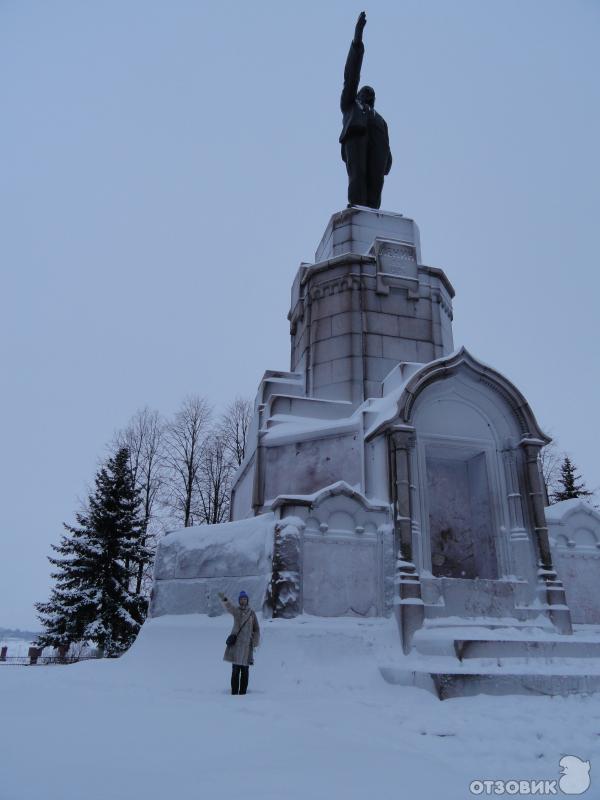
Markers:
point(17, 633)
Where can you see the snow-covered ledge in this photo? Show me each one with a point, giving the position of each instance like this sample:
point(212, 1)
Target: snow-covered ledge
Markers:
point(194, 564)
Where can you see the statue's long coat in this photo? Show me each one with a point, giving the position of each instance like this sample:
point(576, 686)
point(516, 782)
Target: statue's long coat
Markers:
point(354, 119)
point(248, 637)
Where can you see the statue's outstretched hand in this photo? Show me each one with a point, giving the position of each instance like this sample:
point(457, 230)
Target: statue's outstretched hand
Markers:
point(360, 26)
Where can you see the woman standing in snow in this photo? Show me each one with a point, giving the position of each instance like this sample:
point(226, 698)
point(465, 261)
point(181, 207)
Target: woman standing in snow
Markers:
point(247, 637)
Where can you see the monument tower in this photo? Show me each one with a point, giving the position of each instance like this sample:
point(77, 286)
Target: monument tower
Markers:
point(412, 465)
point(400, 474)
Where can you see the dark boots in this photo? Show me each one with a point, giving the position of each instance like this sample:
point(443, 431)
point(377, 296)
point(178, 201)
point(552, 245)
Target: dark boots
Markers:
point(239, 679)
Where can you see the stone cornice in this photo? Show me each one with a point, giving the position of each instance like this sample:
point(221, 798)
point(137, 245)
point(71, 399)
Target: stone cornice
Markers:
point(438, 273)
point(336, 261)
point(443, 368)
point(314, 500)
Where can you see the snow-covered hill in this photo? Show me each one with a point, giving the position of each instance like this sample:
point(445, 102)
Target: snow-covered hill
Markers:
point(319, 722)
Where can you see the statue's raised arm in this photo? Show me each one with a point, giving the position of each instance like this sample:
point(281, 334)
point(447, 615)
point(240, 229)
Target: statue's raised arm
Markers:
point(360, 26)
point(364, 136)
point(353, 64)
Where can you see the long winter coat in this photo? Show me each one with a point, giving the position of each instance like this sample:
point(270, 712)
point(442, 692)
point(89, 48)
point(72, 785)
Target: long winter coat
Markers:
point(248, 637)
point(354, 119)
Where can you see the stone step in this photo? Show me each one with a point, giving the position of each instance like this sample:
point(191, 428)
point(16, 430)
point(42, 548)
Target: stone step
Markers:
point(503, 680)
point(541, 648)
point(307, 409)
point(504, 642)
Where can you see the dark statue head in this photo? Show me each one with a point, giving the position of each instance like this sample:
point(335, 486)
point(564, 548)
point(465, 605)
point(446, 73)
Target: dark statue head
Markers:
point(367, 95)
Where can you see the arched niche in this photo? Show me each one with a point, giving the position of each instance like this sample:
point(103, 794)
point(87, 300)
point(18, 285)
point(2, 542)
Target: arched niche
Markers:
point(469, 421)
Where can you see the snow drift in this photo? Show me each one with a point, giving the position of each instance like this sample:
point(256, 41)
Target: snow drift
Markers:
point(193, 564)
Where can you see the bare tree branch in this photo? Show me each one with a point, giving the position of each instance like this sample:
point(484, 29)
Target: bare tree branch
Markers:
point(144, 438)
point(550, 460)
point(185, 439)
point(233, 428)
point(214, 481)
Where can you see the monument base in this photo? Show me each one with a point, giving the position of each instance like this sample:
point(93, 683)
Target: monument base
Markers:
point(387, 472)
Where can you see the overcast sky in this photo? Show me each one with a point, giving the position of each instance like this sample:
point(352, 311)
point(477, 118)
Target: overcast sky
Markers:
point(167, 165)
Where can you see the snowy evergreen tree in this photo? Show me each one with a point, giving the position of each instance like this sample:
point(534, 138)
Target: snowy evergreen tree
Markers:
point(570, 485)
point(97, 563)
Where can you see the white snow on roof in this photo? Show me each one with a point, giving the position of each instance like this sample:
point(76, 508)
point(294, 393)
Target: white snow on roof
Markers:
point(377, 410)
point(242, 530)
point(231, 548)
point(291, 425)
point(384, 409)
point(558, 510)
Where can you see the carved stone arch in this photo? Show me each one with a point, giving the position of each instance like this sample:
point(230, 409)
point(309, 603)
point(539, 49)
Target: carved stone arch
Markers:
point(585, 537)
point(340, 488)
point(481, 413)
point(572, 508)
point(462, 360)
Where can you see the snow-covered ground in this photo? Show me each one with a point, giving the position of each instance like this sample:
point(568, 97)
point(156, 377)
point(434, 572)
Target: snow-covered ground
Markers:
point(319, 722)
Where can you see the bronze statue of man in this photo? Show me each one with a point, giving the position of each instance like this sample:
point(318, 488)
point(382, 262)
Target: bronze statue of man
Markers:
point(364, 137)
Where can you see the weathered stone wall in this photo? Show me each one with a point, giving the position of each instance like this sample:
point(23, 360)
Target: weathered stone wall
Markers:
point(574, 528)
point(347, 553)
point(241, 497)
point(304, 467)
point(352, 324)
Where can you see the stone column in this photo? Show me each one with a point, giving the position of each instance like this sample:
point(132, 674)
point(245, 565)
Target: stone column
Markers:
point(258, 481)
point(521, 562)
point(552, 590)
point(310, 352)
point(408, 606)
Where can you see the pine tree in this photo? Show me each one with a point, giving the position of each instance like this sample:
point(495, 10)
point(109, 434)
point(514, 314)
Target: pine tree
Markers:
point(94, 597)
point(570, 485)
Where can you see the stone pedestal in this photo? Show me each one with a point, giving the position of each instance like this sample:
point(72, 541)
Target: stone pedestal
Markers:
point(365, 305)
point(354, 230)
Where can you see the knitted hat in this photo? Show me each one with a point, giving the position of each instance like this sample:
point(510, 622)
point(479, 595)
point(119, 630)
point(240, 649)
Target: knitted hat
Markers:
point(243, 594)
